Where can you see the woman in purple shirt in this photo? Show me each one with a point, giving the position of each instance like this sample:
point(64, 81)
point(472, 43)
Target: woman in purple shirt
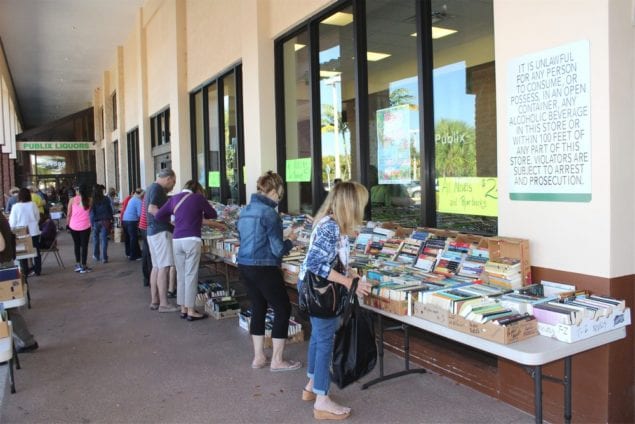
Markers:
point(190, 209)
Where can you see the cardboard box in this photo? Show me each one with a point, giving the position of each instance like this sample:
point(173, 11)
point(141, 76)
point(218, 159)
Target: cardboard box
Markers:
point(507, 247)
point(230, 313)
point(11, 289)
point(24, 245)
point(501, 334)
point(397, 307)
point(20, 231)
point(587, 328)
point(4, 329)
point(508, 334)
point(430, 313)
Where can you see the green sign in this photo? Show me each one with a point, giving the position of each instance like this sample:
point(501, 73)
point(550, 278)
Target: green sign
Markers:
point(298, 170)
point(213, 179)
point(55, 145)
point(468, 196)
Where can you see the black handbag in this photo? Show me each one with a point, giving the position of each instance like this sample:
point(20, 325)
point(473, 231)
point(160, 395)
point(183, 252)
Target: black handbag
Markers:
point(355, 349)
point(319, 297)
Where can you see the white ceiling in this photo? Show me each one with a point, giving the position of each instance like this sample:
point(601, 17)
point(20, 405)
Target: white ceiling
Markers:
point(58, 50)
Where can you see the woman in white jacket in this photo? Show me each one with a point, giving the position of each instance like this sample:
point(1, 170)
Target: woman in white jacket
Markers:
point(25, 213)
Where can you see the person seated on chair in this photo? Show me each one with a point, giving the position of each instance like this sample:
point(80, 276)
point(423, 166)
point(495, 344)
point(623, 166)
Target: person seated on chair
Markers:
point(48, 231)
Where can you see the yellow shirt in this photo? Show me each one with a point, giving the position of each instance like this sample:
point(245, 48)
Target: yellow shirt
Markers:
point(35, 198)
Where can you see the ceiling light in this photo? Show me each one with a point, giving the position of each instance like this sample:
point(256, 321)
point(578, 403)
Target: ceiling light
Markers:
point(339, 19)
point(329, 74)
point(298, 46)
point(438, 32)
point(374, 56)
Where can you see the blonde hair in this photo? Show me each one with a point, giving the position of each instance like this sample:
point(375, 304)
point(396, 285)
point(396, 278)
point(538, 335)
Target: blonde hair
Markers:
point(270, 181)
point(346, 203)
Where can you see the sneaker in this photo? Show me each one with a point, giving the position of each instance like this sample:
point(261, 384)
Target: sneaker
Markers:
point(78, 268)
point(105, 261)
point(95, 258)
point(85, 270)
point(31, 274)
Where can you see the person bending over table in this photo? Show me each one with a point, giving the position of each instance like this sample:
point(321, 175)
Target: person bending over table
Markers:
point(190, 209)
point(259, 258)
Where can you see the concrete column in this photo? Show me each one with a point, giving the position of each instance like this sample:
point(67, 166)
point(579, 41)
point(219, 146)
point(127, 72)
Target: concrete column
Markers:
point(181, 148)
point(145, 149)
point(124, 190)
point(258, 92)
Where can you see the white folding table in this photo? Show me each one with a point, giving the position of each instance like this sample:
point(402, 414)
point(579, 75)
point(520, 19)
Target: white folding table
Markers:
point(533, 353)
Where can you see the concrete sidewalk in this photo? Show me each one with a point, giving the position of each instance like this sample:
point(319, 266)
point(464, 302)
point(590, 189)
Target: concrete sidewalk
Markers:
point(105, 357)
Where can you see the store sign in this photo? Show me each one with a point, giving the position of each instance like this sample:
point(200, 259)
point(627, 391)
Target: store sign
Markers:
point(298, 170)
point(213, 179)
point(55, 145)
point(468, 195)
point(549, 125)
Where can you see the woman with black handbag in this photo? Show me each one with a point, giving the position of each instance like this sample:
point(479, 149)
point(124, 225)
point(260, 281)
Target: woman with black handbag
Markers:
point(339, 216)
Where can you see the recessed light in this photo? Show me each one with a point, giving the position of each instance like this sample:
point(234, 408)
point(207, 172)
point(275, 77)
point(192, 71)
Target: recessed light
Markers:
point(374, 56)
point(298, 46)
point(438, 32)
point(339, 19)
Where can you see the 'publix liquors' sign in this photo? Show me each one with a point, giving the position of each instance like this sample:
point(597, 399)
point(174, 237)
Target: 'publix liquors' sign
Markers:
point(55, 145)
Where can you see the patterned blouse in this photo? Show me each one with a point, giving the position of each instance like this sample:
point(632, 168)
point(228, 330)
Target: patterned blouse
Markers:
point(326, 242)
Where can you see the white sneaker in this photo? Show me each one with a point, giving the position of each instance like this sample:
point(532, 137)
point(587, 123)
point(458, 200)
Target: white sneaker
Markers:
point(85, 270)
point(78, 268)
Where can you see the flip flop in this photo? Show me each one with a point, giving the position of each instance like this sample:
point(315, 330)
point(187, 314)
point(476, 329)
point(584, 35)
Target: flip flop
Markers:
point(260, 366)
point(293, 365)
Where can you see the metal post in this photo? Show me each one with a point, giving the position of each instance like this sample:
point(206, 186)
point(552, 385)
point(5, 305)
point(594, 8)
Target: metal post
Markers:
point(538, 393)
point(566, 381)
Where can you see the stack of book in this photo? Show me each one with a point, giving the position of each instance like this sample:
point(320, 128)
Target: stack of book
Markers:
point(504, 272)
point(390, 249)
point(430, 252)
point(409, 251)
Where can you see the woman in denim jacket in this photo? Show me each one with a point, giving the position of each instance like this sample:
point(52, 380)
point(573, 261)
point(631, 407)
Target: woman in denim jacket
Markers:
point(339, 216)
point(259, 258)
point(101, 221)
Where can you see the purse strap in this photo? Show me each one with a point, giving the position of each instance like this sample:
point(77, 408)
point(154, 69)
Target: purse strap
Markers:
point(180, 203)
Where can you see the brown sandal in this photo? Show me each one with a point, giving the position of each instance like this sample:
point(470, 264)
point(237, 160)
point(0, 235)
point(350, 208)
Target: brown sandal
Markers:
point(319, 414)
point(308, 395)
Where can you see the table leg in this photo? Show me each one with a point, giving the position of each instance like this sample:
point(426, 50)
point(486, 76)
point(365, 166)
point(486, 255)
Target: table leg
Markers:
point(380, 354)
point(566, 381)
point(11, 376)
point(538, 393)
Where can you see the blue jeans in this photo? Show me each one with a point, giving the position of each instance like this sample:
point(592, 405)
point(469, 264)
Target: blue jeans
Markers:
point(320, 352)
point(132, 239)
point(100, 239)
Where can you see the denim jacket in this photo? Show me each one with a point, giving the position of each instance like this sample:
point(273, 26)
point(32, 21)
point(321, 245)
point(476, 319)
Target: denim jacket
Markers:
point(260, 232)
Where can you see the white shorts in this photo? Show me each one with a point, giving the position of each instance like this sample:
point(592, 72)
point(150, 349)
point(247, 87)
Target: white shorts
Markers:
point(161, 249)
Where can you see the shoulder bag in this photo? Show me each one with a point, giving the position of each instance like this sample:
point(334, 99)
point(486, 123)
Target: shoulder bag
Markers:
point(320, 297)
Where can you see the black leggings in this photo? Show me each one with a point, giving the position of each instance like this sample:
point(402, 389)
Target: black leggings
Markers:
point(266, 285)
point(80, 241)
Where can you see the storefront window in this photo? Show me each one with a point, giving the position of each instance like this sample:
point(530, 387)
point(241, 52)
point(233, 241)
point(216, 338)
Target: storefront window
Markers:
point(337, 96)
point(231, 139)
point(425, 143)
point(214, 141)
point(393, 103)
point(297, 124)
point(465, 116)
point(217, 142)
point(199, 138)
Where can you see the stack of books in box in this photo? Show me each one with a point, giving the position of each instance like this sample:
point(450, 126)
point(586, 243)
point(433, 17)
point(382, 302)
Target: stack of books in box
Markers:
point(295, 333)
point(504, 272)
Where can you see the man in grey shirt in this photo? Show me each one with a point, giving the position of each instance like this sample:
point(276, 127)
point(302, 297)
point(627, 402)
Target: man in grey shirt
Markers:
point(160, 241)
